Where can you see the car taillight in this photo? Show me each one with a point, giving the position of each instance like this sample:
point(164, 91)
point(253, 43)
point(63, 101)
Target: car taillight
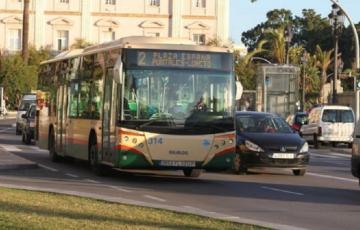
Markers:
point(319, 131)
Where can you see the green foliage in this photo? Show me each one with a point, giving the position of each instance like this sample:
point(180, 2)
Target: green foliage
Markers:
point(80, 44)
point(19, 78)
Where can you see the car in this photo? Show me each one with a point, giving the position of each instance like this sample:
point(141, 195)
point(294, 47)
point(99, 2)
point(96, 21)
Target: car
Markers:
point(24, 106)
point(28, 131)
point(266, 140)
point(297, 120)
point(329, 123)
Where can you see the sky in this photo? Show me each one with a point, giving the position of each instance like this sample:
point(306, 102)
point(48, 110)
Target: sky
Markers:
point(245, 15)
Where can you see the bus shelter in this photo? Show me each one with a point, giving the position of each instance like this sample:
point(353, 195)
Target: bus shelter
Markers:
point(278, 89)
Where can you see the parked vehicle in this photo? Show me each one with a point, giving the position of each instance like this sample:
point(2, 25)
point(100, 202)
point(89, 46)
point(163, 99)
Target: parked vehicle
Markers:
point(297, 120)
point(266, 140)
point(329, 123)
point(28, 131)
point(355, 156)
point(24, 106)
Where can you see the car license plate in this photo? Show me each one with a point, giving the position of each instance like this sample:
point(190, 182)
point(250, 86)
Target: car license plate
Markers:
point(283, 156)
point(178, 163)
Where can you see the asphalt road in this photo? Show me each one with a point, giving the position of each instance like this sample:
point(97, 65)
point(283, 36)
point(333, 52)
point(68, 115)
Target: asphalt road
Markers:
point(327, 197)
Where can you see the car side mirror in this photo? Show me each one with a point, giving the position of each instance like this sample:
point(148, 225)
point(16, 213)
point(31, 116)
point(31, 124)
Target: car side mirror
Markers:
point(24, 116)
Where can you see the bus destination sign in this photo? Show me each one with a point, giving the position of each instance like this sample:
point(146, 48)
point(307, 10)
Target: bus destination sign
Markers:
point(180, 59)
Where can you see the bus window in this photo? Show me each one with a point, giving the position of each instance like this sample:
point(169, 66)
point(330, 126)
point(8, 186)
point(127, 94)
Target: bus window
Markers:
point(74, 92)
point(84, 103)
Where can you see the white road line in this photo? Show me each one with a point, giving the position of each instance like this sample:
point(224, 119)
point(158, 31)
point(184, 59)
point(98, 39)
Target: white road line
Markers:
point(331, 155)
point(72, 175)
point(332, 177)
point(92, 181)
point(281, 190)
point(11, 148)
point(48, 168)
point(4, 130)
point(119, 188)
point(154, 198)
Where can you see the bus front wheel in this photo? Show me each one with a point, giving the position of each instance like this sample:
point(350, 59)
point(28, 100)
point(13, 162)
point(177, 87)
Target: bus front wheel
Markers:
point(192, 172)
point(96, 167)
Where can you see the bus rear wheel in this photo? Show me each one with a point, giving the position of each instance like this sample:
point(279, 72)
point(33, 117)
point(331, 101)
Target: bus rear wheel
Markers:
point(192, 172)
point(52, 152)
point(96, 167)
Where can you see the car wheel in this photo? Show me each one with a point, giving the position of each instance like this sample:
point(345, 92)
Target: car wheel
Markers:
point(54, 157)
point(23, 137)
point(192, 172)
point(27, 139)
point(333, 144)
point(316, 142)
point(299, 172)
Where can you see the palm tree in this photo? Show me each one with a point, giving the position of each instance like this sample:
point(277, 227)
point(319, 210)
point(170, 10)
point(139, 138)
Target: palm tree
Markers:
point(25, 38)
point(324, 60)
point(276, 39)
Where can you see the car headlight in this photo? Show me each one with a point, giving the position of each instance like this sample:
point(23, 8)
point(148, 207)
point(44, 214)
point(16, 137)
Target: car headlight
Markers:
point(304, 148)
point(253, 147)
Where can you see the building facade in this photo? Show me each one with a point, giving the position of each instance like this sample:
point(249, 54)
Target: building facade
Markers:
point(57, 24)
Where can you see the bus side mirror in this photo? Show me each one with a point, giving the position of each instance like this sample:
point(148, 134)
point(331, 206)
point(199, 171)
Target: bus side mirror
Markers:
point(118, 70)
point(239, 90)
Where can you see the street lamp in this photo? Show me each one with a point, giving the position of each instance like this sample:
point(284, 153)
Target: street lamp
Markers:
point(337, 18)
point(288, 38)
point(303, 62)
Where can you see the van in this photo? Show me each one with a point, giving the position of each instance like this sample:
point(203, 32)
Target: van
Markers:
point(26, 102)
point(329, 123)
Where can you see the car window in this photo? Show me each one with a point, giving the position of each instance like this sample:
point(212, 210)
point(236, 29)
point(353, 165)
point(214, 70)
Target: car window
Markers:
point(334, 115)
point(347, 116)
point(300, 119)
point(261, 124)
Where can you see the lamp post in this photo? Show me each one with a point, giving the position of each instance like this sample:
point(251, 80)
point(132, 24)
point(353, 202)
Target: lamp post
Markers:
point(303, 62)
point(336, 20)
point(288, 38)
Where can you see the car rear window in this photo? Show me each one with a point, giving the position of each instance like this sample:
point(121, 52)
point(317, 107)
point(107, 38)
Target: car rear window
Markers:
point(335, 115)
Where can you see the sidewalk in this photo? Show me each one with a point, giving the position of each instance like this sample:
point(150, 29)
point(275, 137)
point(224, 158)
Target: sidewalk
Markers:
point(9, 161)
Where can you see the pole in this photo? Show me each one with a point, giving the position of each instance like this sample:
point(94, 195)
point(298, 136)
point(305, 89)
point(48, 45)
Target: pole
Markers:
point(336, 45)
point(357, 57)
point(303, 92)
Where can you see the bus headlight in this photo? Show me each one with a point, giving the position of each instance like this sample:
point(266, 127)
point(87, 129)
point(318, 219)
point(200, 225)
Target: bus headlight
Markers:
point(253, 147)
point(304, 148)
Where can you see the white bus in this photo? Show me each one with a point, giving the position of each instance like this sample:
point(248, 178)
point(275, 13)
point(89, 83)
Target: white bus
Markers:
point(140, 103)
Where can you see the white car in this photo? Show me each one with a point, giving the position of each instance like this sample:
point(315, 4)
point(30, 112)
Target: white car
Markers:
point(24, 106)
point(329, 123)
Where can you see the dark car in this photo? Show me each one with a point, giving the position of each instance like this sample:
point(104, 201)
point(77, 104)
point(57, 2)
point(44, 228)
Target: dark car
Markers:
point(28, 131)
point(297, 120)
point(266, 140)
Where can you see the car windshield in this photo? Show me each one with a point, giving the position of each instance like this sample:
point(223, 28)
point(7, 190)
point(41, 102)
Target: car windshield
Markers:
point(261, 124)
point(333, 115)
point(301, 118)
point(178, 99)
point(25, 105)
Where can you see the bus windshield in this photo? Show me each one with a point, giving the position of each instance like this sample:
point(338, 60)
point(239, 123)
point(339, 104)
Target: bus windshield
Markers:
point(174, 100)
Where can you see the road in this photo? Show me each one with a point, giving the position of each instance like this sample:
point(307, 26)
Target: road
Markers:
point(327, 197)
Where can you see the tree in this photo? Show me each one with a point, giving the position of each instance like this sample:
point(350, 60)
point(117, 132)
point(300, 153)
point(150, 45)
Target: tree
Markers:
point(324, 60)
point(25, 38)
point(80, 43)
point(276, 39)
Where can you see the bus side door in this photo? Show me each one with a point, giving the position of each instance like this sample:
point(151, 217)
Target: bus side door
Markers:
point(61, 107)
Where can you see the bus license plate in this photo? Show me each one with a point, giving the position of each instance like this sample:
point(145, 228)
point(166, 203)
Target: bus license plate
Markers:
point(178, 163)
point(283, 156)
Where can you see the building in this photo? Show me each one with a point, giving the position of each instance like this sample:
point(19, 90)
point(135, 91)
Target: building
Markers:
point(58, 23)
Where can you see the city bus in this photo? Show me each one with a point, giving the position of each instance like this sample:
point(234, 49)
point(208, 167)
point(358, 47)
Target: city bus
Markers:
point(140, 103)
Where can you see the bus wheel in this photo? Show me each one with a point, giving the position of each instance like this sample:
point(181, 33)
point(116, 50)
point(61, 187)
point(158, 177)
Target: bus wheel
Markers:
point(52, 153)
point(192, 172)
point(96, 167)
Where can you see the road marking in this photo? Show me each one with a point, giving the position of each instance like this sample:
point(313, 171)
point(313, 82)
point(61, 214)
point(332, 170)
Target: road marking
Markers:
point(154, 198)
point(3, 130)
point(331, 155)
point(72, 175)
point(231, 217)
point(92, 181)
point(11, 148)
point(332, 177)
point(48, 168)
point(281, 190)
point(119, 188)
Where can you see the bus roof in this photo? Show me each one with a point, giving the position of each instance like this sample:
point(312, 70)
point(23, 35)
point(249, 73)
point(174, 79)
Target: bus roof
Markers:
point(140, 42)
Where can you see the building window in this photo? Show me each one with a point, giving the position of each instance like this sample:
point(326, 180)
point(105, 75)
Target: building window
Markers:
point(62, 39)
point(64, 1)
point(154, 2)
point(200, 39)
point(108, 36)
point(199, 3)
point(14, 39)
point(110, 2)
